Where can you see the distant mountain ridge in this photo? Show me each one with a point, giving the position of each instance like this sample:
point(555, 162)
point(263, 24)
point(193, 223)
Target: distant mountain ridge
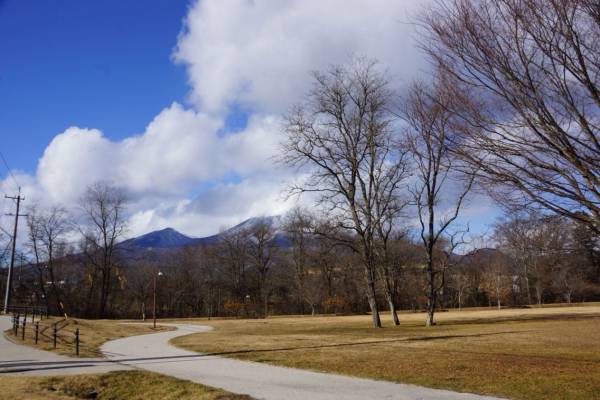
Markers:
point(170, 239)
point(167, 238)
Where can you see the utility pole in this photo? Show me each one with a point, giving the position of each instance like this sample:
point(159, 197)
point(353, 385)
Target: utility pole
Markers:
point(18, 199)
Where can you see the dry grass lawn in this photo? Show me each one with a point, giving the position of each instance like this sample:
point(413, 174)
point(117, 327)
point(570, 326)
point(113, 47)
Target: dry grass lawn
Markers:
point(131, 385)
point(539, 353)
point(92, 334)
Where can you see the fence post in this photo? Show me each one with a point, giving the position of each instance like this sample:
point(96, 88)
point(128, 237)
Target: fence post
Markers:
point(54, 334)
point(37, 329)
point(17, 321)
point(23, 331)
point(14, 322)
point(77, 341)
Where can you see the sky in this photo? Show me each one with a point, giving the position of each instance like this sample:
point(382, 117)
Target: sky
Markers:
point(179, 102)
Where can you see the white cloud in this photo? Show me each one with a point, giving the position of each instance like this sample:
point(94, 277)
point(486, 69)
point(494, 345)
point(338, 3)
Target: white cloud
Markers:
point(72, 160)
point(222, 206)
point(260, 53)
point(182, 170)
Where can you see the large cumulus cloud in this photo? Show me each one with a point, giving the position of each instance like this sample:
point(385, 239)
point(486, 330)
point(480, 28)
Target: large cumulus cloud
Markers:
point(185, 169)
point(260, 53)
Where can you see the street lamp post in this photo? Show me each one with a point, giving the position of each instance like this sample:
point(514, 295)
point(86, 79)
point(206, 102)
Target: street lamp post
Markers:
point(154, 300)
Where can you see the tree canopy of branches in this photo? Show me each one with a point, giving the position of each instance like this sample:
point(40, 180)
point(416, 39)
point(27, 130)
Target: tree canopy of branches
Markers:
point(526, 76)
point(46, 231)
point(104, 224)
point(430, 139)
point(343, 135)
point(262, 249)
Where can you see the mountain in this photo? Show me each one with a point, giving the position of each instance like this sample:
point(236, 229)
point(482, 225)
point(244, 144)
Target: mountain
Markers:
point(167, 238)
point(165, 242)
point(275, 222)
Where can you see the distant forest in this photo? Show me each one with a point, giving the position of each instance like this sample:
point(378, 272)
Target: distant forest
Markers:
point(249, 273)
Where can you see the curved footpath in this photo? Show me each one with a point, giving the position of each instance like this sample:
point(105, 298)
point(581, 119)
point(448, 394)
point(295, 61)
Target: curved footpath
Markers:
point(16, 359)
point(262, 381)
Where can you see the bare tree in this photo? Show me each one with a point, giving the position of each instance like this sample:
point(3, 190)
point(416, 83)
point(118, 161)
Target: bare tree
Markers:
point(262, 249)
point(526, 75)
point(439, 191)
point(540, 245)
point(34, 234)
point(139, 279)
point(446, 250)
point(47, 230)
point(390, 263)
point(496, 280)
point(568, 279)
point(460, 281)
point(299, 227)
point(233, 254)
point(103, 209)
point(343, 135)
point(514, 238)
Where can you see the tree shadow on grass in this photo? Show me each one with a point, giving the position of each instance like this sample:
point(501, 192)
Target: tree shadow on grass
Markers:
point(522, 318)
point(15, 367)
point(12, 367)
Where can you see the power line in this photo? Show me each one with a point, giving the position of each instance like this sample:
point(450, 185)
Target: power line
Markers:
point(9, 170)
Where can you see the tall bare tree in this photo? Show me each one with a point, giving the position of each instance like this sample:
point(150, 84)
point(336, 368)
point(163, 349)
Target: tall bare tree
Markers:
point(103, 207)
point(538, 244)
point(343, 134)
point(262, 250)
point(232, 252)
point(526, 74)
point(438, 190)
point(47, 230)
point(514, 238)
point(299, 227)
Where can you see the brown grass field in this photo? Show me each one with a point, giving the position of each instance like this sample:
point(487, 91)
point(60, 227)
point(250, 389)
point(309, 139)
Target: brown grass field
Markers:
point(93, 333)
point(131, 385)
point(551, 352)
point(537, 353)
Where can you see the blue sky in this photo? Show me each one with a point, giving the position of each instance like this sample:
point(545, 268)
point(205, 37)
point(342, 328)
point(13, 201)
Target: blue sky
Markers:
point(101, 64)
point(178, 101)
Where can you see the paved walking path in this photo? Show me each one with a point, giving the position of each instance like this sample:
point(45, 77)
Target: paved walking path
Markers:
point(16, 359)
point(261, 381)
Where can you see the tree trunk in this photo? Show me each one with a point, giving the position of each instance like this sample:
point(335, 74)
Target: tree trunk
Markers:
point(431, 297)
point(430, 314)
point(376, 321)
point(527, 288)
point(265, 305)
point(90, 295)
point(393, 312)
point(104, 289)
point(389, 293)
point(498, 295)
